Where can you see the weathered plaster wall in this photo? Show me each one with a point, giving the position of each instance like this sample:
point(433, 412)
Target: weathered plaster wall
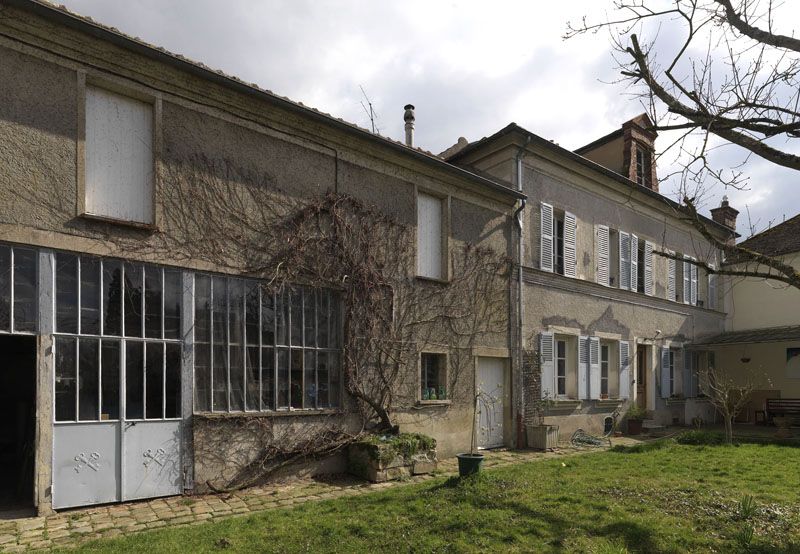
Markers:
point(767, 366)
point(759, 303)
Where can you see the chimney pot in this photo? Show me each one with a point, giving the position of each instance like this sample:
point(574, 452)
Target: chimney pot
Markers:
point(725, 214)
point(409, 118)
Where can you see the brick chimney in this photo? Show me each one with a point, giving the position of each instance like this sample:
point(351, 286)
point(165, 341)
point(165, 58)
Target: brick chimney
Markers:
point(725, 215)
point(639, 152)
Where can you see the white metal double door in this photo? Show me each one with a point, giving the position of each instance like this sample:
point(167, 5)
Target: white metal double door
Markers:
point(97, 462)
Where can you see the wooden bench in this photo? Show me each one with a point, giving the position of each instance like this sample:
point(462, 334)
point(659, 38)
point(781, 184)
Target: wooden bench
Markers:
point(783, 407)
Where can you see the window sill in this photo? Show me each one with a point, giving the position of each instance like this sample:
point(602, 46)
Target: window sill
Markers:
point(564, 405)
point(432, 280)
point(675, 401)
point(608, 402)
point(269, 414)
point(151, 227)
point(433, 403)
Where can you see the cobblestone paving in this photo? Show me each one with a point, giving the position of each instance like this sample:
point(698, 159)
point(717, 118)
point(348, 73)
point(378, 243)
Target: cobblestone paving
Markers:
point(71, 527)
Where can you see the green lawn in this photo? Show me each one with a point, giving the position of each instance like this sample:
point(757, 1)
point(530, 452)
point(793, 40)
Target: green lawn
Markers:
point(672, 499)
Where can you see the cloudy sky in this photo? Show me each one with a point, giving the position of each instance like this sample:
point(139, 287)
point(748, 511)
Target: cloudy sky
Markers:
point(469, 67)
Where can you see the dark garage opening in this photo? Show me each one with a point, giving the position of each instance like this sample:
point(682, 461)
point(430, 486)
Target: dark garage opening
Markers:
point(17, 420)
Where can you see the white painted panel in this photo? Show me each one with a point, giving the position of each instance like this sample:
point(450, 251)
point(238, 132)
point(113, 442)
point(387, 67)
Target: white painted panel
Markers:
point(429, 236)
point(152, 459)
point(546, 243)
point(491, 382)
point(603, 247)
point(547, 362)
point(85, 464)
point(570, 245)
point(119, 156)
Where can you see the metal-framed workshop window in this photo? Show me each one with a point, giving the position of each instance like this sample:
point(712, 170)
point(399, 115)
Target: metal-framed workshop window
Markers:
point(112, 315)
point(256, 350)
point(18, 290)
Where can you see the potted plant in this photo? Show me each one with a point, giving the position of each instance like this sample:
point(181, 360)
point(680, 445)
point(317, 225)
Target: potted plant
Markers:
point(541, 436)
point(635, 416)
point(470, 462)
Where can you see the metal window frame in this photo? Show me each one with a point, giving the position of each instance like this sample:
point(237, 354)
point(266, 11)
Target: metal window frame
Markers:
point(12, 327)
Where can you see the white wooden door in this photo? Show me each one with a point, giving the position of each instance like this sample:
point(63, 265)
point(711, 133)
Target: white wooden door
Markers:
point(491, 406)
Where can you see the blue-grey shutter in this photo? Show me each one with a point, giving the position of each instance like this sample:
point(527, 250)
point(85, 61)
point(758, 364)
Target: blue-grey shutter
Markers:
point(634, 263)
point(547, 362)
point(648, 268)
point(583, 367)
point(624, 369)
point(603, 248)
point(666, 392)
point(594, 368)
point(570, 245)
point(546, 235)
point(624, 260)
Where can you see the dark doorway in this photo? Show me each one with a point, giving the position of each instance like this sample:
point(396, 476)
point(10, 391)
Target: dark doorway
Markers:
point(17, 420)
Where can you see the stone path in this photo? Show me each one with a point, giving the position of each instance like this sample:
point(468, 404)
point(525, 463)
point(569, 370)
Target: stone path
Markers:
point(69, 528)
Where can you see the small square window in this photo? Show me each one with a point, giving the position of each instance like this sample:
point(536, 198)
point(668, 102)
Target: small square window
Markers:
point(433, 377)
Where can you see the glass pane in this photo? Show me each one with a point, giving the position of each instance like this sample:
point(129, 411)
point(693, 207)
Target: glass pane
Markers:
point(297, 378)
point(309, 309)
point(154, 374)
point(322, 319)
point(237, 378)
point(322, 379)
point(251, 313)
point(25, 290)
point(267, 379)
point(310, 383)
point(172, 304)
point(133, 300)
point(220, 313)
point(253, 388)
point(283, 378)
point(334, 377)
point(202, 377)
point(88, 380)
point(202, 308)
point(267, 319)
point(173, 381)
point(66, 293)
point(282, 315)
point(334, 322)
point(112, 297)
point(236, 311)
point(90, 296)
point(5, 288)
point(153, 289)
point(110, 374)
point(66, 378)
point(134, 380)
point(297, 318)
point(220, 378)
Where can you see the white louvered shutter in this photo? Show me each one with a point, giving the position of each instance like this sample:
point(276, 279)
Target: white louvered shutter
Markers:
point(603, 265)
point(665, 387)
point(429, 236)
point(548, 365)
point(546, 243)
point(687, 281)
point(634, 263)
point(624, 260)
point(671, 278)
point(693, 285)
point(624, 369)
point(570, 245)
point(689, 389)
point(594, 368)
point(583, 367)
point(712, 290)
point(648, 268)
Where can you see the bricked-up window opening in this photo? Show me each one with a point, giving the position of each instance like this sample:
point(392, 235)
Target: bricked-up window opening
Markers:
point(604, 361)
point(433, 381)
point(257, 350)
point(111, 315)
point(561, 368)
point(18, 290)
point(558, 244)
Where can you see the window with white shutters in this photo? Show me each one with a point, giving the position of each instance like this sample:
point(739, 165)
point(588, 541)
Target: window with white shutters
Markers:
point(594, 368)
point(686, 292)
point(546, 238)
point(570, 245)
point(624, 369)
point(547, 363)
point(634, 271)
point(648, 268)
point(429, 237)
point(602, 273)
point(624, 260)
point(583, 367)
point(119, 158)
point(667, 370)
point(671, 278)
point(693, 284)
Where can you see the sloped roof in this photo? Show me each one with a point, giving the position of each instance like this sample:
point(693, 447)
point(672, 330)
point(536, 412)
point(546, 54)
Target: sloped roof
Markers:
point(770, 334)
point(784, 238)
